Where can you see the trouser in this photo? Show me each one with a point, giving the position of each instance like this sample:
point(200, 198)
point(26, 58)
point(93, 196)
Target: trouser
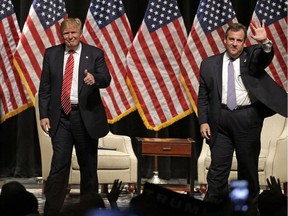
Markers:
point(239, 130)
point(70, 131)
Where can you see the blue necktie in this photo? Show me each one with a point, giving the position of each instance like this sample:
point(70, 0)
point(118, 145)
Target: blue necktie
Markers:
point(231, 93)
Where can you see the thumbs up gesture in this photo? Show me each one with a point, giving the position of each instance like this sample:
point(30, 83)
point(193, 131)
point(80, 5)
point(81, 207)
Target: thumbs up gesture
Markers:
point(89, 78)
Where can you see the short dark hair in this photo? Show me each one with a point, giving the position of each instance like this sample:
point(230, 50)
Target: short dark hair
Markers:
point(237, 27)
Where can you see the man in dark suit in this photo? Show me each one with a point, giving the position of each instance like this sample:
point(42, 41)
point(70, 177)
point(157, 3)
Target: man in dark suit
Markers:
point(238, 128)
point(79, 120)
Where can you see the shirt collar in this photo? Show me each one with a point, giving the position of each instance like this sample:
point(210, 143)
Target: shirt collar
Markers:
point(226, 57)
point(76, 50)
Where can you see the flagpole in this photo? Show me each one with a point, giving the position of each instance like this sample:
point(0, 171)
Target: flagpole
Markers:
point(155, 179)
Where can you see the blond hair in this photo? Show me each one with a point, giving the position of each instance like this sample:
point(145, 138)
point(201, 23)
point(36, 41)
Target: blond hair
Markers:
point(71, 21)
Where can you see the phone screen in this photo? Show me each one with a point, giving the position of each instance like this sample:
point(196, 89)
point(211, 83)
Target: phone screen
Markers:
point(239, 195)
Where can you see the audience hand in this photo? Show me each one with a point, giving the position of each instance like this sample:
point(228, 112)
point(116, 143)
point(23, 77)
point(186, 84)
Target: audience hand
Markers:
point(274, 186)
point(114, 193)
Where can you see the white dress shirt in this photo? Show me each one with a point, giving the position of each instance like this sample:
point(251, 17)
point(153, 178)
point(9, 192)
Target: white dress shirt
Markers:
point(74, 87)
point(242, 96)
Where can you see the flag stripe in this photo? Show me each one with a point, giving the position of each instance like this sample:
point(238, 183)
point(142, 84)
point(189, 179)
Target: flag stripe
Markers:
point(8, 87)
point(35, 34)
point(149, 71)
point(107, 27)
point(107, 92)
point(138, 83)
point(190, 84)
point(164, 63)
point(32, 58)
point(278, 54)
point(117, 35)
point(90, 34)
point(13, 29)
point(154, 66)
point(274, 13)
point(212, 42)
point(166, 57)
point(14, 98)
point(277, 27)
point(108, 43)
point(205, 39)
point(5, 64)
point(41, 30)
point(119, 65)
point(279, 59)
point(128, 31)
point(198, 45)
point(22, 71)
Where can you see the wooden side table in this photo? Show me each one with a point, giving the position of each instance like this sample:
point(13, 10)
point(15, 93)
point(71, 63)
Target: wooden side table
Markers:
point(173, 147)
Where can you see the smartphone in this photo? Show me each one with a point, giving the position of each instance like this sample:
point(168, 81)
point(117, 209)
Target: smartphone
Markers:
point(239, 194)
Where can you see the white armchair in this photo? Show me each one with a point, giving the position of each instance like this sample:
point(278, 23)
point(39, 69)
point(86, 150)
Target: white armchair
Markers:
point(116, 158)
point(273, 154)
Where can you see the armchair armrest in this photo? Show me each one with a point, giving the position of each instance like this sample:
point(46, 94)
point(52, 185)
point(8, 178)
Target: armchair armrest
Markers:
point(119, 142)
point(279, 168)
point(276, 163)
point(122, 143)
point(46, 152)
point(202, 164)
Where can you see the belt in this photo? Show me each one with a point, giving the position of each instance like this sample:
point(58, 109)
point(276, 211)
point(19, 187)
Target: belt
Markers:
point(74, 107)
point(240, 107)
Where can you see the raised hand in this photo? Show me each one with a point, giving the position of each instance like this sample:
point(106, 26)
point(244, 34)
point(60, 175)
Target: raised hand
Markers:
point(258, 30)
point(114, 193)
point(274, 185)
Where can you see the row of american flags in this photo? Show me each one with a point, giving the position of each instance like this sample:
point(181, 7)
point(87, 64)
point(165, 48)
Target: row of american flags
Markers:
point(155, 72)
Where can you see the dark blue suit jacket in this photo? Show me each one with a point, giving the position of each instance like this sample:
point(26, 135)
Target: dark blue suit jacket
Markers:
point(253, 61)
point(90, 102)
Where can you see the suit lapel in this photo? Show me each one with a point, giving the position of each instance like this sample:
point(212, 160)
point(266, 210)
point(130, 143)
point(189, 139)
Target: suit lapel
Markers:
point(244, 59)
point(60, 62)
point(218, 69)
point(82, 66)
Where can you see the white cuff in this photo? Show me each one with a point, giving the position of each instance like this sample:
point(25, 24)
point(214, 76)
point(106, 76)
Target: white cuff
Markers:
point(267, 45)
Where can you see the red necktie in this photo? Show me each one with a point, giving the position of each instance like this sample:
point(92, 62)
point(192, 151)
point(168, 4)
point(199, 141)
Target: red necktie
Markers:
point(67, 82)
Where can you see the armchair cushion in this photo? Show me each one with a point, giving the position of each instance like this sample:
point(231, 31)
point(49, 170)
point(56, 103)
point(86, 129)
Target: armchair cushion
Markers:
point(107, 160)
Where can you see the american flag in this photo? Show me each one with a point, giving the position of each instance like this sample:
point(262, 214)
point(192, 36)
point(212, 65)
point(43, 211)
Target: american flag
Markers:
point(205, 39)
point(154, 66)
point(14, 98)
point(108, 28)
point(275, 15)
point(41, 30)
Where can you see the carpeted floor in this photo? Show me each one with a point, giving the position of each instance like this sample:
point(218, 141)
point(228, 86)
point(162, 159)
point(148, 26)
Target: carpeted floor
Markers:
point(34, 185)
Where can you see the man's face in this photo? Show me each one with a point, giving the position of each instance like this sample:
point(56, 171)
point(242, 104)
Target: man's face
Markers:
point(234, 43)
point(71, 35)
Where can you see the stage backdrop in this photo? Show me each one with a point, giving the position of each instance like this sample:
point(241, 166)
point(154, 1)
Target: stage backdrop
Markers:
point(19, 147)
